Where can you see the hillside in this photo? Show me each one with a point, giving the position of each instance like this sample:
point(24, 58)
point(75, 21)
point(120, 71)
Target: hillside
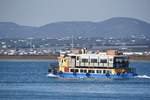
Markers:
point(114, 27)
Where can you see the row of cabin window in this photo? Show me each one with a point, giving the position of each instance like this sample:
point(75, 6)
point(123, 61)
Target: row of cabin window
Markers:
point(91, 71)
point(95, 60)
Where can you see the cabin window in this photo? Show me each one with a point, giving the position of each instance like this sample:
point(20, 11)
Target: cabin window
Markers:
point(108, 71)
point(84, 60)
point(85, 71)
point(71, 70)
point(103, 61)
point(120, 59)
point(116, 60)
point(110, 59)
point(125, 60)
point(91, 71)
point(121, 62)
point(93, 60)
point(99, 71)
point(76, 70)
point(77, 57)
point(81, 71)
point(104, 71)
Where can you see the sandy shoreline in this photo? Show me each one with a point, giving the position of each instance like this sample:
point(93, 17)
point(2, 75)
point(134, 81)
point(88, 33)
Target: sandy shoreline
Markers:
point(140, 57)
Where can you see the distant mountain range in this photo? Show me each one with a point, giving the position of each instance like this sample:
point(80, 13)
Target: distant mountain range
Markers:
point(114, 27)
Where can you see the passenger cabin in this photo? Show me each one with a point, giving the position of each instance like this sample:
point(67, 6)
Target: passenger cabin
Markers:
point(83, 59)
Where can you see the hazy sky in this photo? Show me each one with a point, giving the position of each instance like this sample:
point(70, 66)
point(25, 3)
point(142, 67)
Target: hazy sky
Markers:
point(40, 12)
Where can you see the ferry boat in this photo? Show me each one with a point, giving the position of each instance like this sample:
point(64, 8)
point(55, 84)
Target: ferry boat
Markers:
point(111, 64)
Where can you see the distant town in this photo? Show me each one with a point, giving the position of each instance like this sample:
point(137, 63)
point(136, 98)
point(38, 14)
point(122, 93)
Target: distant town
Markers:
point(134, 45)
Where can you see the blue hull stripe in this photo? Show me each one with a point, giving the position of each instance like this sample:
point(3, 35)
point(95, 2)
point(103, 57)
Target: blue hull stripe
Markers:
point(80, 75)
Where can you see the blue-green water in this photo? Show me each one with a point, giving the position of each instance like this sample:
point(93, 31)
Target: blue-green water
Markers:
point(27, 80)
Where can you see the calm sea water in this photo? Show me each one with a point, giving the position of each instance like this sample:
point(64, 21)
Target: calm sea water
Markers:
point(27, 80)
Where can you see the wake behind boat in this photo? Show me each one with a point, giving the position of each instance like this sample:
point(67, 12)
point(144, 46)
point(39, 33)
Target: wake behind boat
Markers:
point(111, 64)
